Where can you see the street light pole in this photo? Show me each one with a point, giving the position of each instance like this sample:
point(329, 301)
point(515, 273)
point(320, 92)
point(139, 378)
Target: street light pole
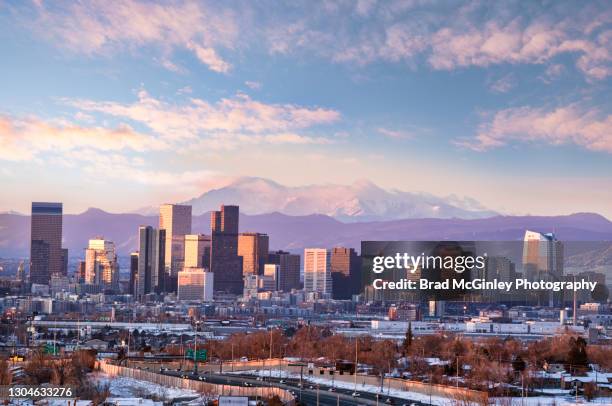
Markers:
point(195, 352)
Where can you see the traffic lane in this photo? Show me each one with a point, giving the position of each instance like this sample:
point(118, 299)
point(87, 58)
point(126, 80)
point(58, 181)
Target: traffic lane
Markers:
point(293, 384)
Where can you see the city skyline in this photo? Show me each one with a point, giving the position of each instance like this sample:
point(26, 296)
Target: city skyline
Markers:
point(494, 103)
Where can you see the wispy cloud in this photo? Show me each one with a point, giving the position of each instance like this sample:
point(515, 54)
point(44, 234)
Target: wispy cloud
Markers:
point(395, 134)
point(102, 27)
point(448, 36)
point(253, 85)
point(443, 36)
point(571, 124)
point(503, 84)
point(23, 139)
point(238, 114)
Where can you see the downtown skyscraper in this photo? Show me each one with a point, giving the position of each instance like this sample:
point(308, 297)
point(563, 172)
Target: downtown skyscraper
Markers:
point(101, 266)
point(317, 271)
point(46, 255)
point(151, 275)
point(224, 259)
point(345, 271)
point(288, 271)
point(253, 248)
point(175, 219)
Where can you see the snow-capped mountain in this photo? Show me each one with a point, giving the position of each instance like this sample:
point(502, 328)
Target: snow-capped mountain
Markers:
point(361, 201)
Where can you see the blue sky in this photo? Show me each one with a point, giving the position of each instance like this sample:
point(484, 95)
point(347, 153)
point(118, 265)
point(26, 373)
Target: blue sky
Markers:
point(132, 104)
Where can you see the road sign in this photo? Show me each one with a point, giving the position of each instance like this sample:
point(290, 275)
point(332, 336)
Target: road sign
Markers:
point(50, 349)
point(202, 355)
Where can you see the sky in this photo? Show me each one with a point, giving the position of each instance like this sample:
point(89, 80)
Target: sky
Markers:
point(126, 104)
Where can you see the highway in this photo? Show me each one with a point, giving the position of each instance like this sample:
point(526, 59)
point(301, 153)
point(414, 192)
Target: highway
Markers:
point(307, 395)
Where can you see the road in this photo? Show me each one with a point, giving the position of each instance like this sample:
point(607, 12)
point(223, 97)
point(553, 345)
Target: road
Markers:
point(308, 394)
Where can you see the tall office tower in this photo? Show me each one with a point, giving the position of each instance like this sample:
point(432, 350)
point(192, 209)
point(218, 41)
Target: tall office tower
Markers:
point(500, 268)
point(151, 260)
point(195, 284)
point(176, 220)
point(197, 251)
point(317, 270)
point(64, 262)
point(224, 259)
point(225, 220)
point(133, 286)
point(21, 276)
point(45, 242)
point(271, 276)
point(80, 271)
point(289, 269)
point(101, 266)
point(253, 248)
point(345, 270)
point(542, 255)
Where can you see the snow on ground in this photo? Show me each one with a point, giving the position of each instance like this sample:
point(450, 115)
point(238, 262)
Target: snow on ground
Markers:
point(124, 387)
point(435, 400)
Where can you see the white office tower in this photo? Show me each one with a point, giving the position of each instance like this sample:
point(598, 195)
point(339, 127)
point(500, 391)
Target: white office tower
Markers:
point(175, 219)
point(195, 284)
point(101, 266)
point(271, 276)
point(542, 256)
point(317, 271)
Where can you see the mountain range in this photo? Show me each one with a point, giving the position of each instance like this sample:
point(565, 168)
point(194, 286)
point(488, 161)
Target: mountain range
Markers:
point(360, 201)
point(294, 233)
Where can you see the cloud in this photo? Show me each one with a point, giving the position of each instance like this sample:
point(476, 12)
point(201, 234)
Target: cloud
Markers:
point(448, 36)
point(571, 124)
point(102, 27)
point(503, 84)
point(184, 90)
point(253, 85)
point(23, 139)
point(209, 56)
point(394, 133)
point(552, 73)
point(440, 35)
point(238, 114)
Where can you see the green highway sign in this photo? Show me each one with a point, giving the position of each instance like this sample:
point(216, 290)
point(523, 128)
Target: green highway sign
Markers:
point(50, 349)
point(202, 355)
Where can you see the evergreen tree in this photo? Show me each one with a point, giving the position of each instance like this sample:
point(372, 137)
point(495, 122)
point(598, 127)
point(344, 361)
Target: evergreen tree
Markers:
point(408, 340)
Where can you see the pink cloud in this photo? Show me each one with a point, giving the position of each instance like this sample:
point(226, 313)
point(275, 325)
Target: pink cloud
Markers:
point(238, 114)
point(99, 27)
point(25, 139)
point(571, 124)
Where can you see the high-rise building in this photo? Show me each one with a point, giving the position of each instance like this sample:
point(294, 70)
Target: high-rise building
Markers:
point(289, 269)
point(195, 284)
point(101, 266)
point(133, 285)
point(176, 220)
point(253, 248)
point(21, 275)
point(151, 260)
point(271, 276)
point(317, 271)
point(225, 220)
point(345, 270)
point(197, 251)
point(80, 271)
point(46, 242)
point(542, 255)
point(224, 260)
point(500, 268)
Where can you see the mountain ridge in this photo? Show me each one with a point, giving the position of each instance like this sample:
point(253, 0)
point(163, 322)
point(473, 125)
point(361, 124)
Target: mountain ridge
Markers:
point(360, 201)
point(294, 233)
